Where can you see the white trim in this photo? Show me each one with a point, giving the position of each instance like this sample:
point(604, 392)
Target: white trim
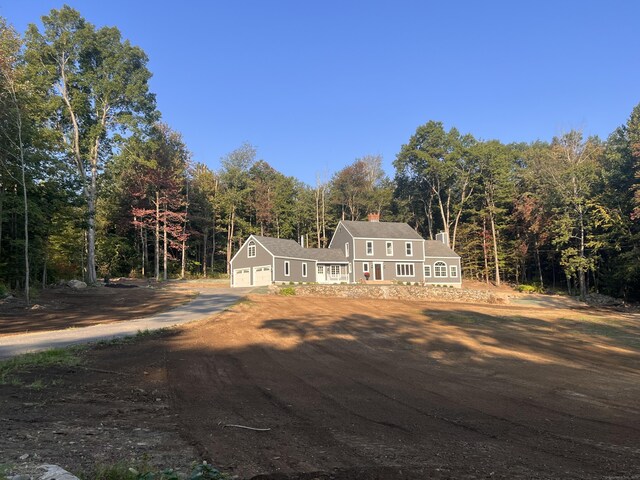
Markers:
point(410, 245)
point(398, 264)
point(365, 270)
point(346, 249)
point(381, 270)
point(366, 248)
point(437, 269)
point(424, 271)
point(251, 244)
point(388, 243)
point(441, 257)
point(287, 268)
point(451, 269)
point(305, 269)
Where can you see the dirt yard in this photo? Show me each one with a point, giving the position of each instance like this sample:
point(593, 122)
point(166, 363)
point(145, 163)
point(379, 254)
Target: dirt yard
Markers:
point(349, 389)
point(61, 307)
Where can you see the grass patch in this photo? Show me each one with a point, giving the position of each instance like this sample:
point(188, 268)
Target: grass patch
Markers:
point(139, 336)
point(121, 471)
point(287, 291)
point(58, 357)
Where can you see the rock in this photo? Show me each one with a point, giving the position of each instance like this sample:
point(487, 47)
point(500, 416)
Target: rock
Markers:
point(76, 284)
point(54, 472)
point(20, 477)
point(24, 457)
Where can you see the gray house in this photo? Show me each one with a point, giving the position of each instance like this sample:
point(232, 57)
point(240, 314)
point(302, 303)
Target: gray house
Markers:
point(358, 251)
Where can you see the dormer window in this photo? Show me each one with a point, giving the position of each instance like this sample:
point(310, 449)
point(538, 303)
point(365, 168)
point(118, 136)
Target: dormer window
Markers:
point(251, 249)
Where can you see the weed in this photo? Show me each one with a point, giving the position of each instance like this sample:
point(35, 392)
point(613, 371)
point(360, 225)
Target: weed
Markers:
point(58, 357)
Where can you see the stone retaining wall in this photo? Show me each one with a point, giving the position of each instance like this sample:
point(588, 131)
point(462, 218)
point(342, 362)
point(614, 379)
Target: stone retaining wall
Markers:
point(399, 292)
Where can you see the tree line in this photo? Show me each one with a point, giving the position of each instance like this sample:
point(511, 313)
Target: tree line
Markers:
point(92, 184)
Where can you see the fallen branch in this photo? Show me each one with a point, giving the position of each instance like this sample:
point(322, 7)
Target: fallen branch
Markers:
point(248, 428)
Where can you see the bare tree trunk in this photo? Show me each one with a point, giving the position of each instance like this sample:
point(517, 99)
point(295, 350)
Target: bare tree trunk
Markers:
point(495, 248)
point(164, 244)
point(157, 239)
point(204, 252)
point(230, 228)
point(213, 240)
point(539, 265)
point(484, 249)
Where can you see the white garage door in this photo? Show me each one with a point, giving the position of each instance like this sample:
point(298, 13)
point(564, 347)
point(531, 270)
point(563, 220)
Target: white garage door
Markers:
point(242, 277)
point(262, 275)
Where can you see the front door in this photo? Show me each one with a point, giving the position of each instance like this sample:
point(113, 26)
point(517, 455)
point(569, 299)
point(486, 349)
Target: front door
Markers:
point(377, 271)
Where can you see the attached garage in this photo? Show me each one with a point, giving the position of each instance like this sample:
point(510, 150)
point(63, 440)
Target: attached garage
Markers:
point(242, 277)
point(262, 275)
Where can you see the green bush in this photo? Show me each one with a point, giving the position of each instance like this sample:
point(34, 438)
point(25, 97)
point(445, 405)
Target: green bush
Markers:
point(4, 291)
point(287, 291)
point(530, 289)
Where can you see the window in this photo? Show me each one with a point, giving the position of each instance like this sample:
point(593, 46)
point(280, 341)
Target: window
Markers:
point(251, 249)
point(369, 247)
point(286, 269)
point(427, 271)
point(389, 248)
point(335, 271)
point(346, 250)
point(304, 269)
point(365, 268)
point(404, 270)
point(409, 249)
point(453, 271)
point(440, 269)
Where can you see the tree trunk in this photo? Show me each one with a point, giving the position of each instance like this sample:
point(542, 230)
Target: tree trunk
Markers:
point(204, 252)
point(495, 248)
point(539, 265)
point(230, 228)
point(157, 239)
point(581, 269)
point(164, 245)
point(213, 240)
point(484, 249)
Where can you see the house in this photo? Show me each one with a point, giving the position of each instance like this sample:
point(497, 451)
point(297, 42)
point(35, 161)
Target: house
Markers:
point(373, 250)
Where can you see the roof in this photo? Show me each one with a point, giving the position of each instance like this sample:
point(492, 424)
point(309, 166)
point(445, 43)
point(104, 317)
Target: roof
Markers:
point(381, 230)
point(334, 255)
point(435, 248)
point(281, 247)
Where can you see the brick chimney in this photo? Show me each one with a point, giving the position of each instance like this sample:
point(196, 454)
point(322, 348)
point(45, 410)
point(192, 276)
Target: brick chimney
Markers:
point(374, 217)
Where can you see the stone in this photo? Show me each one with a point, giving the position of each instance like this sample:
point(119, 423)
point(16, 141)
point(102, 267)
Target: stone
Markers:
point(54, 472)
point(76, 284)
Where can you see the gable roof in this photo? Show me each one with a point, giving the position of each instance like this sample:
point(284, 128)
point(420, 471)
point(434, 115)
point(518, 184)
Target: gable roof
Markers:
point(280, 247)
point(382, 230)
point(435, 248)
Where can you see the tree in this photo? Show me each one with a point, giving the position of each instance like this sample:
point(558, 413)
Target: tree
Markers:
point(235, 186)
point(98, 85)
point(436, 167)
point(13, 93)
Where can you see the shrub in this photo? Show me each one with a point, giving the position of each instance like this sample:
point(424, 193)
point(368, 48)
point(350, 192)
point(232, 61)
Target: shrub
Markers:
point(287, 291)
point(530, 289)
point(4, 291)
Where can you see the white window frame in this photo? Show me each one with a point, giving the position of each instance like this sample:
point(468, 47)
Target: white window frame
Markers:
point(365, 267)
point(440, 269)
point(405, 270)
point(346, 249)
point(335, 271)
point(287, 268)
point(389, 247)
point(251, 249)
point(427, 271)
point(320, 270)
point(453, 271)
point(369, 251)
point(304, 269)
point(408, 249)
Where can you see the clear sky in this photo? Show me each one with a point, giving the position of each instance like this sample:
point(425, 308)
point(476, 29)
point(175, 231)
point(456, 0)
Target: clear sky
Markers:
point(316, 84)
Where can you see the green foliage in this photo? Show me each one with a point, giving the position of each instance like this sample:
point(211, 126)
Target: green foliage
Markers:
point(121, 471)
point(530, 289)
point(59, 357)
point(287, 291)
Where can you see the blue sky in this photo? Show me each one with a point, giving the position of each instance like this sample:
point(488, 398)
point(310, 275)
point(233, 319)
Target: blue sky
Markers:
point(315, 85)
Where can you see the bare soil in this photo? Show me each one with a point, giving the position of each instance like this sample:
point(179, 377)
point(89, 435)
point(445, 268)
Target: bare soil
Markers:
point(62, 307)
point(350, 389)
